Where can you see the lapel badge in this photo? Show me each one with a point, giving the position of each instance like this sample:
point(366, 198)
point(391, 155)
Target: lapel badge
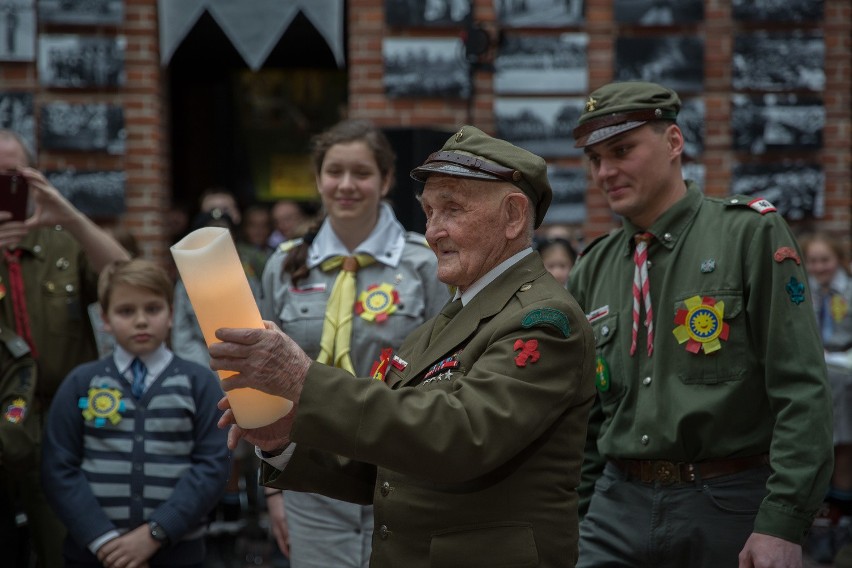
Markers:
point(700, 325)
point(16, 412)
point(529, 352)
point(460, 134)
point(708, 265)
point(796, 290)
point(380, 367)
point(783, 253)
point(591, 104)
point(398, 363)
point(377, 302)
point(101, 405)
point(597, 313)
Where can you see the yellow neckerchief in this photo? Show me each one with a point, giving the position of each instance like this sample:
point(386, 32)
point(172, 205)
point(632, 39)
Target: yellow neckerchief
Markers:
point(337, 327)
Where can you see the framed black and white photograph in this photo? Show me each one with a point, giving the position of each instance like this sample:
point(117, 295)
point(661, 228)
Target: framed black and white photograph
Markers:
point(779, 62)
point(17, 30)
point(95, 193)
point(17, 115)
point(73, 61)
point(775, 11)
point(539, 13)
point(690, 119)
point(676, 62)
point(541, 64)
point(92, 127)
point(425, 67)
point(81, 12)
point(427, 13)
point(539, 124)
point(694, 171)
point(776, 121)
point(569, 196)
point(796, 189)
point(658, 12)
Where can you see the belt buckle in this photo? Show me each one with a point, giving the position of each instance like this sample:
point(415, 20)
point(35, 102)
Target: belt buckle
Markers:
point(666, 472)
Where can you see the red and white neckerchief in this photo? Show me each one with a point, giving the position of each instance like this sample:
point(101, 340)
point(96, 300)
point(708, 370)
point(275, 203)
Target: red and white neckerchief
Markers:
point(642, 291)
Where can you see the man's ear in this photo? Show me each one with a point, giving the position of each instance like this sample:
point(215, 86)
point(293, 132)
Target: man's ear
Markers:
point(516, 205)
point(674, 139)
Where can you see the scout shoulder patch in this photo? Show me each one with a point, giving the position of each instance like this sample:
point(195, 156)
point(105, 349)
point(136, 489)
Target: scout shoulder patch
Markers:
point(16, 412)
point(528, 352)
point(287, 246)
point(784, 253)
point(759, 204)
point(547, 317)
point(796, 290)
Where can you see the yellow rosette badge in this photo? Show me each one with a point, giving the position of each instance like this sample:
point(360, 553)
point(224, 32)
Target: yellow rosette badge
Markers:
point(700, 325)
point(377, 302)
point(101, 405)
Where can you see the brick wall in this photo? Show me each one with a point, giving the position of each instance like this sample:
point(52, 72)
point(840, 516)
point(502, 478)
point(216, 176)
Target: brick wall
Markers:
point(367, 28)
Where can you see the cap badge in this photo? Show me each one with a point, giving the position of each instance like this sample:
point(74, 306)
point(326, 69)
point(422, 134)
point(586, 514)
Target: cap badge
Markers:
point(658, 113)
point(591, 104)
point(459, 134)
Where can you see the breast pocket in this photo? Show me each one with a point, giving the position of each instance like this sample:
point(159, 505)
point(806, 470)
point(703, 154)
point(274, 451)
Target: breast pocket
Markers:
point(712, 349)
point(610, 362)
point(62, 304)
point(402, 308)
point(302, 321)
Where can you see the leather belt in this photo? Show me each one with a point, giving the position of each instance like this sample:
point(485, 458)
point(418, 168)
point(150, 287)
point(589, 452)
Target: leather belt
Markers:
point(667, 472)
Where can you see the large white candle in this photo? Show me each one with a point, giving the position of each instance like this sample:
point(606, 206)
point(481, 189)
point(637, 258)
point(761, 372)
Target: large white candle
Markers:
point(220, 294)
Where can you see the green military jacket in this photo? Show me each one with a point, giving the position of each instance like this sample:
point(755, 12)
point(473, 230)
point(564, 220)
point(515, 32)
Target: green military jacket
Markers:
point(477, 434)
point(18, 428)
point(59, 285)
point(754, 384)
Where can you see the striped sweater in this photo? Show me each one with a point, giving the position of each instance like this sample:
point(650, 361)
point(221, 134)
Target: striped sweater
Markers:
point(110, 462)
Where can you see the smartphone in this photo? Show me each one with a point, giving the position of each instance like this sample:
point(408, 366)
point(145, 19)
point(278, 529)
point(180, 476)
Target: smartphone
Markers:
point(13, 194)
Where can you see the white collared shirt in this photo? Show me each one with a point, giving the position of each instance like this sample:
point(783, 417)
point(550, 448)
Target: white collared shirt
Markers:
point(385, 242)
point(156, 362)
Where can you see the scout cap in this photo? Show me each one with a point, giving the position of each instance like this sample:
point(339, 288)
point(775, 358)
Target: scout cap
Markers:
point(470, 153)
point(619, 107)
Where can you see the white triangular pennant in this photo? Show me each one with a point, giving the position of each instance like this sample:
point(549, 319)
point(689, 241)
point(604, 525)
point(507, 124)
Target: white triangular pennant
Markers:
point(176, 18)
point(256, 30)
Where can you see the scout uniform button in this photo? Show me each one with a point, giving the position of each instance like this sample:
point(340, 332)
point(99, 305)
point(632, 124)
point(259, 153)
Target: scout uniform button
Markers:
point(383, 532)
point(385, 489)
point(646, 381)
point(667, 237)
point(645, 439)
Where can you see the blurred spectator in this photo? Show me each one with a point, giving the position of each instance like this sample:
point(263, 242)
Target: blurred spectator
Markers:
point(224, 201)
point(291, 219)
point(49, 276)
point(558, 257)
point(257, 228)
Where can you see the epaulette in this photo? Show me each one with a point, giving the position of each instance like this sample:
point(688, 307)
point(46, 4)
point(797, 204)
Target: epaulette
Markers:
point(416, 238)
point(759, 204)
point(589, 246)
point(287, 246)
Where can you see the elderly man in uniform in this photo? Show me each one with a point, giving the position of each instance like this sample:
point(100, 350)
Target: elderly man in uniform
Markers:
point(470, 444)
point(710, 441)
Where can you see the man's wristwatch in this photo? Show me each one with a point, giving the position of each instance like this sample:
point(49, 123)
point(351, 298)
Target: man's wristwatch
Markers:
point(158, 534)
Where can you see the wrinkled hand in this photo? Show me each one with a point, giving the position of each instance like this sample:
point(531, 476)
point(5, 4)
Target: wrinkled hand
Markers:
point(765, 551)
point(130, 550)
point(275, 436)
point(264, 359)
point(278, 521)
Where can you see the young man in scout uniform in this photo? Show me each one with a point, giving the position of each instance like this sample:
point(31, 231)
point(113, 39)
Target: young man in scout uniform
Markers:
point(711, 435)
point(475, 432)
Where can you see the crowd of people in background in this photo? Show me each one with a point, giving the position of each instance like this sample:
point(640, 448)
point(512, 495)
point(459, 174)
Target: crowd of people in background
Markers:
point(75, 361)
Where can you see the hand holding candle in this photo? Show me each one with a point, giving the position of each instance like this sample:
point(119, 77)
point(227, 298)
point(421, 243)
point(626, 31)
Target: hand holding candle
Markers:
point(221, 297)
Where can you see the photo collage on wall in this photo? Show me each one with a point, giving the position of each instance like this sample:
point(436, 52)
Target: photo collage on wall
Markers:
point(88, 59)
point(777, 112)
point(67, 63)
point(670, 55)
point(540, 79)
point(432, 66)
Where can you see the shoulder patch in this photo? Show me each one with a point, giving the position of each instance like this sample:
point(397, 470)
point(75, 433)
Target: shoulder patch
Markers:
point(547, 317)
point(417, 239)
point(287, 246)
point(759, 204)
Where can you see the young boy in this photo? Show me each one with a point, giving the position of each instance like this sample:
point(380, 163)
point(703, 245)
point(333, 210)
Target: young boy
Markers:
point(132, 458)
